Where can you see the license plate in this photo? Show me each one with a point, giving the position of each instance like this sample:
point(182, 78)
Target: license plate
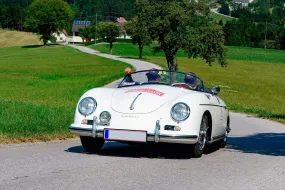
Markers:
point(124, 135)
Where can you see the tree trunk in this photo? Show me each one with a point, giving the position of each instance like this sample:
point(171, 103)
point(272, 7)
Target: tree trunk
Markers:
point(111, 48)
point(45, 42)
point(171, 66)
point(170, 62)
point(141, 48)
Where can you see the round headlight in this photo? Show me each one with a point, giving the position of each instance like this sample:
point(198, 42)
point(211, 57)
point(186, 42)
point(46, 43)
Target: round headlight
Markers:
point(180, 112)
point(105, 117)
point(87, 106)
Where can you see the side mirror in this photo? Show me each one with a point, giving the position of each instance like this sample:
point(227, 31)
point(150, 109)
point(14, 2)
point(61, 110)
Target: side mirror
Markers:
point(216, 90)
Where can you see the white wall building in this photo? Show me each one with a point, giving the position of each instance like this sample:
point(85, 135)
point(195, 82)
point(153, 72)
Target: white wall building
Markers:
point(60, 36)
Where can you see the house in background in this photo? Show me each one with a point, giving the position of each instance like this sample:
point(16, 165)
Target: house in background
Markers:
point(243, 3)
point(60, 36)
point(77, 24)
point(121, 21)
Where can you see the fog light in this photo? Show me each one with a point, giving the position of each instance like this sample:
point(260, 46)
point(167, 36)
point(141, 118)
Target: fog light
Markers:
point(84, 121)
point(105, 117)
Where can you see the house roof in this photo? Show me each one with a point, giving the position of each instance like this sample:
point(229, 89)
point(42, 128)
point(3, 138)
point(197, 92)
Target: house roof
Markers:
point(242, 1)
point(65, 33)
point(121, 20)
point(77, 24)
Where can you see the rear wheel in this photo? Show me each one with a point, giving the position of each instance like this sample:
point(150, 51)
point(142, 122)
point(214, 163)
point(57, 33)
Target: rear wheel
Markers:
point(91, 144)
point(198, 148)
point(224, 140)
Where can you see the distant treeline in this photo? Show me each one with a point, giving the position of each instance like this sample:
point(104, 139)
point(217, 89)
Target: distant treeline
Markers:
point(12, 12)
point(261, 25)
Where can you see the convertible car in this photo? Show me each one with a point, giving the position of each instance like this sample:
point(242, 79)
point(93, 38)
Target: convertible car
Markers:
point(153, 106)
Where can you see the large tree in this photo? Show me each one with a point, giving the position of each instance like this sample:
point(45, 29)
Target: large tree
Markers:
point(47, 16)
point(109, 32)
point(183, 24)
point(138, 31)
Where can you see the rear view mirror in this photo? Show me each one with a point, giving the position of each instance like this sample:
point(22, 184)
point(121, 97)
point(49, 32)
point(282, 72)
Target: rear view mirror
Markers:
point(216, 90)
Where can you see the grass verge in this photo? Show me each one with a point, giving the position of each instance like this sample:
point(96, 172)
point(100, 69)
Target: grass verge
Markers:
point(40, 87)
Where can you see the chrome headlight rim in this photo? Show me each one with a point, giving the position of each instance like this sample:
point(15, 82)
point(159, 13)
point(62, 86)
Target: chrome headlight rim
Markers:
point(100, 116)
point(173, 117)
point(93, 110)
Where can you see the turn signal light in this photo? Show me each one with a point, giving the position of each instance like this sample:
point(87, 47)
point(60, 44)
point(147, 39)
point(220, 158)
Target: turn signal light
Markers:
point(84, 121)
point(177, 128)
point(172, 128)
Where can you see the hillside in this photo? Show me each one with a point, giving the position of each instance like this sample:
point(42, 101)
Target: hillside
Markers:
point(15, 38)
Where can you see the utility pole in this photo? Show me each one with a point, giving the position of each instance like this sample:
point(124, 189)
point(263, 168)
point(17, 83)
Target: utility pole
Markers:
point(265, 33)
point(96, 29)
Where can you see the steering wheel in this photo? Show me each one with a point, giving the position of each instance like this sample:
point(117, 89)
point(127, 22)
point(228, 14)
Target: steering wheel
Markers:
point(183, 85)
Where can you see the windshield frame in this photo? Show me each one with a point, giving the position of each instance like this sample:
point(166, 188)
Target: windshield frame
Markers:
point(158, 83)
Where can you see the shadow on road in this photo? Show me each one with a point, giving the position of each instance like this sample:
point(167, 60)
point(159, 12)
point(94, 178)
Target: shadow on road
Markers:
point(134, 57)
point(115, 149)
point(272, 144)
point(38, 46)
point(264, 143)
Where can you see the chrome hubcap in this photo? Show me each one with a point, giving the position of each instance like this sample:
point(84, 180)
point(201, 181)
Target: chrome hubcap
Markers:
point(203, 134)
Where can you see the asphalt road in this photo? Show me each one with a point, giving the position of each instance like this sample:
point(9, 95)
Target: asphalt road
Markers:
point(253, 159)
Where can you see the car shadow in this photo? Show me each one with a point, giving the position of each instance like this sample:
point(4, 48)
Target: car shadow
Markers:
point(150, 150)
point(272, 144)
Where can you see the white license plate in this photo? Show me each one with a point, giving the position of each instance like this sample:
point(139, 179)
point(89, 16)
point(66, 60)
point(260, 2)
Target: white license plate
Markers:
point(124, 135)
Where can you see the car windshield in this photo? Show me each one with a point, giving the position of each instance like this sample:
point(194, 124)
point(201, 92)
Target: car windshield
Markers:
point(164, 77)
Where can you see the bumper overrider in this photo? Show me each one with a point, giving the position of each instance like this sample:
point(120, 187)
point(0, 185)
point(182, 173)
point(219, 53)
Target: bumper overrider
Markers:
point(150, 137)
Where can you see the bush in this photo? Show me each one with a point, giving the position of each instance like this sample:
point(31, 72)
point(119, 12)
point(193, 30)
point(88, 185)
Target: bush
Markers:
point(52, 39)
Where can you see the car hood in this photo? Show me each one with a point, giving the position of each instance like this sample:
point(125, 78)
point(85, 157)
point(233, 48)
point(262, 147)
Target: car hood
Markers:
point(144, 99)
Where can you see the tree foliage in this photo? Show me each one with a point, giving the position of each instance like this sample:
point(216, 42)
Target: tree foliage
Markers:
point(182, 25)
point(109, 32)
point(47, 16)
point(137, 29)
point(88, 32)
point(225, 9)
point(12, 13)
point(107, 10)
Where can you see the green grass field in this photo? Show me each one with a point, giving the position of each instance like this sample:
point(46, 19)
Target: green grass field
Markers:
point(40, 87)
point(217, 17)
point(234, 53)
point(253, 82)
point(10, 38)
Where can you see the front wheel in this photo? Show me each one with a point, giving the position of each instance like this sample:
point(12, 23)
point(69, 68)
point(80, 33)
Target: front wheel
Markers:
point(198, 148)
point(91, 144)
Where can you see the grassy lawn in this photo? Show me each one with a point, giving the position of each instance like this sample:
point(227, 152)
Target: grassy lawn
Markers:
point(253, 82)
point(40, 87)
point(234, 53)
point(14, 38)
point(217, 17)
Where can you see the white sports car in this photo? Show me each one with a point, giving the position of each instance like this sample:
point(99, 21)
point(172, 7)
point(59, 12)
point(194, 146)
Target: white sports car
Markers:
point(158, 106)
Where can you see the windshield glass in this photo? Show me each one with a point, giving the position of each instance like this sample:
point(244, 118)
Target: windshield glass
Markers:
point(164, 77)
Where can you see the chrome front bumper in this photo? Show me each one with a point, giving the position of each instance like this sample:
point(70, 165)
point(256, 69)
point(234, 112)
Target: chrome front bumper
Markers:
point(151, 137)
